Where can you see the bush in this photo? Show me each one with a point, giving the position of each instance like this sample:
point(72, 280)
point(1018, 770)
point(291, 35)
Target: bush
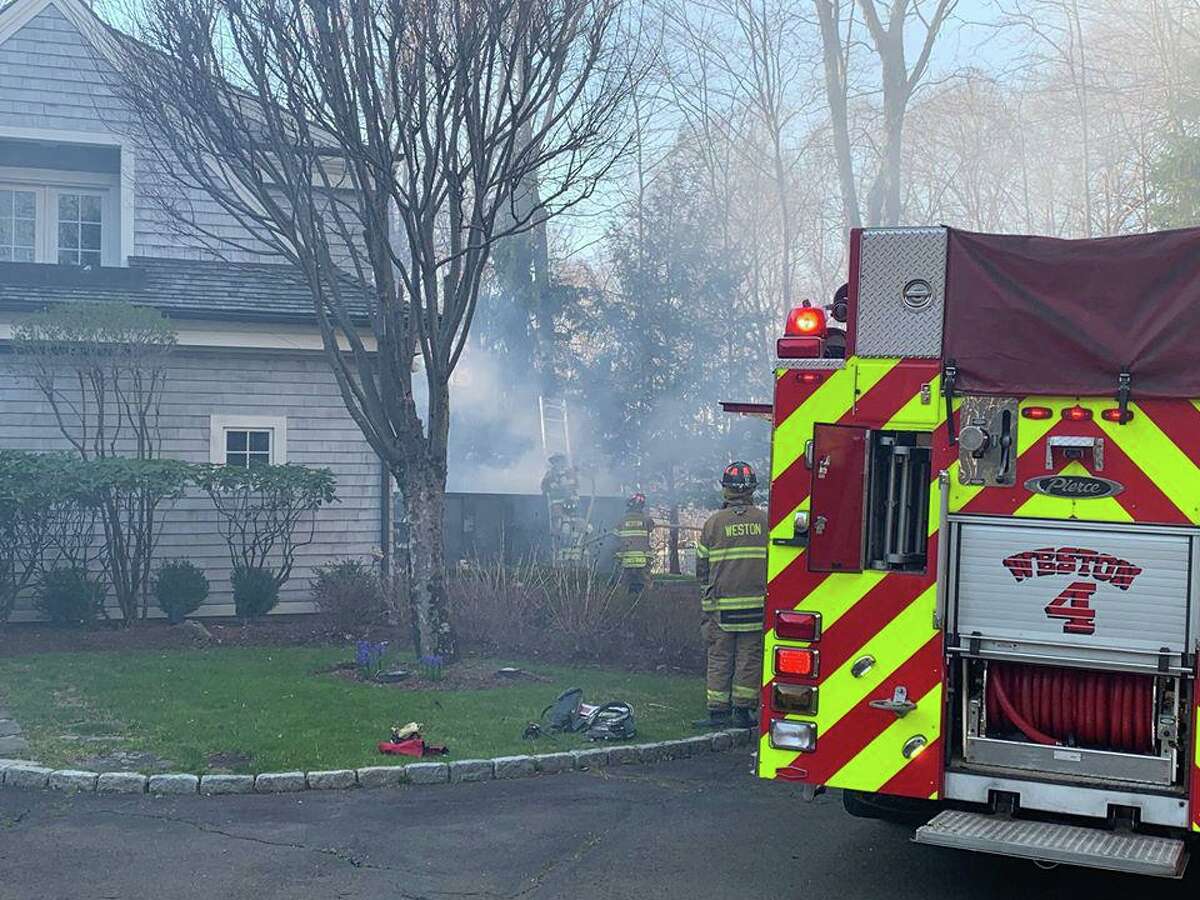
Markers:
point(69, 596)
point(255, 591)
point(351, 596)
point(179, 587)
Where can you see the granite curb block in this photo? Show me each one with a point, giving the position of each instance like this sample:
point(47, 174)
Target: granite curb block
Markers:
point(212, 785)
point(332, 780)
point(24, 774)
point(73, 780)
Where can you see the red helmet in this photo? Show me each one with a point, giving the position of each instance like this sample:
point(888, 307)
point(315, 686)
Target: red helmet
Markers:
point(636, 501)
point(739, 476)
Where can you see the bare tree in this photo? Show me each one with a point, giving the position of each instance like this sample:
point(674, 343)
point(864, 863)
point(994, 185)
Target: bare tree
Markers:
point(319, 125)
point(898, 82)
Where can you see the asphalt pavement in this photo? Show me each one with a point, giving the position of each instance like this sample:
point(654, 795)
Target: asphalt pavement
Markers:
point(695, 829)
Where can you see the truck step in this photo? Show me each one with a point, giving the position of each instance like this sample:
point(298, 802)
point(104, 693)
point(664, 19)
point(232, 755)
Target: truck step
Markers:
point(1071, 845)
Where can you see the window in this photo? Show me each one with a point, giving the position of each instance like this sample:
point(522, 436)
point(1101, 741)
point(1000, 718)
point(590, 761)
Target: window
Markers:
point(18, 225)
point(245, 447)
point(247, 441)
point(69, 225)
point(80, 222)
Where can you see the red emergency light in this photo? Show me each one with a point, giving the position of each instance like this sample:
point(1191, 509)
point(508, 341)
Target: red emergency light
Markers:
point(796, 662)
point(1077, 414)
point(805, 321)
point(1037, 412)
point(1113, 414)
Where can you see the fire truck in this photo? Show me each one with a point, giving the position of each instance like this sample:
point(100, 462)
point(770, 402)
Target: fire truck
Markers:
point(984, 551)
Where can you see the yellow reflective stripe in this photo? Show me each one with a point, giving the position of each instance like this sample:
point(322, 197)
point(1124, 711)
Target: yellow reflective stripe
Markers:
point(881, 760)
point(828, 403)
point(744, 693)
point(741, 626)
point(1154, 453)
point(893, 646)
point(738, 553)
point(739, 602)
point(701, 551)
point(717, 696)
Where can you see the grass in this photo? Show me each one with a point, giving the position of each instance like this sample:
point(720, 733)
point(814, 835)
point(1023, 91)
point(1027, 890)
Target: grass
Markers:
point(269, 710)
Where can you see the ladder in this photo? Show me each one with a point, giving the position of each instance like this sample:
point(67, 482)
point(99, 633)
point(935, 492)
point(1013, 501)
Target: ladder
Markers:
point(556, 429)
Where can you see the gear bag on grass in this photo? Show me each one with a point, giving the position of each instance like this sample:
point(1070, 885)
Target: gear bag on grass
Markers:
point(609, 722)
point(564, 713)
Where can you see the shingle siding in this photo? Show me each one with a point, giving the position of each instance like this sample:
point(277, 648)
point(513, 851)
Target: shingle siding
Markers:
point(203, 383)
point(51, 77)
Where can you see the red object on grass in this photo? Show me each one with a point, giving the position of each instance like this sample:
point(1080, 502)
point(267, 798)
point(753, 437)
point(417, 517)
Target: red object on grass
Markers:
point(411, 747)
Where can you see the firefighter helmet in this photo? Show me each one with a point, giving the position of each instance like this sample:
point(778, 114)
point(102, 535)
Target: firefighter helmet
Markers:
point(636, 501)
point(739, 476)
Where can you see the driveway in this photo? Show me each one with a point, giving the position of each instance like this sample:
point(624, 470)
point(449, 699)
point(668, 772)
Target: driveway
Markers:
point(691, 829)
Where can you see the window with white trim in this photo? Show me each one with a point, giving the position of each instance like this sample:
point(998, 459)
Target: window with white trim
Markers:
point(247, 441)
point(73, 225)
point(18, 225)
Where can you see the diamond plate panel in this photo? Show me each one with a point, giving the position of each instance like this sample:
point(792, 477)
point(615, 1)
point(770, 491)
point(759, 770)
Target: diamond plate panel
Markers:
point(1052, 842)
point(901, 292)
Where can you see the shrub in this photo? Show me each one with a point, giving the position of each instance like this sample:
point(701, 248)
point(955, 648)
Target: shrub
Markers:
point(69, 596)
point(350, 594)
point(255, 591)
point(179, 587)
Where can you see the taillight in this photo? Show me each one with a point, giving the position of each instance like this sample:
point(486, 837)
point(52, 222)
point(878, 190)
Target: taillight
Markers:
point(1037, 412)
point(1077, 414)
point(805, 321)
point(799, 736)
point(796, 662)
point(810, 377)
point(794, 347)
point(795, 698)
point(798, 626)
point(1113, 414)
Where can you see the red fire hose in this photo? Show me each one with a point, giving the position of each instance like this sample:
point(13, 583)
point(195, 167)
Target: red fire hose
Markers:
point(1102, 710)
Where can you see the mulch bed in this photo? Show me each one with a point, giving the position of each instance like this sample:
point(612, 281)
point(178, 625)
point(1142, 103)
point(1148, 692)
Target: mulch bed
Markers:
point(21, 639)
point(464, 675)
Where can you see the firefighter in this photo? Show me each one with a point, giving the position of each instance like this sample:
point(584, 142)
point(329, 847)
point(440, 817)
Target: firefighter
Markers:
point(634, 553)
point(560, 485)
point(731, 564)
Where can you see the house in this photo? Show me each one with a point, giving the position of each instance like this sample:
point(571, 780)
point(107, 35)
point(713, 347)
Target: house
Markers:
point(82, 218)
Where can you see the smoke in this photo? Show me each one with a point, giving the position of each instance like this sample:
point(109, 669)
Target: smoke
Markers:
point(495, 430)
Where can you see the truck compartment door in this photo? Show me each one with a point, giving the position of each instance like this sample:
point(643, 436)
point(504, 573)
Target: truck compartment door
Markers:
point(836, 511)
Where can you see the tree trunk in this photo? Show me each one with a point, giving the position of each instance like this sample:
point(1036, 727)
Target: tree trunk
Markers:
point(835, 94)
point(673, 518)
point(424, 504)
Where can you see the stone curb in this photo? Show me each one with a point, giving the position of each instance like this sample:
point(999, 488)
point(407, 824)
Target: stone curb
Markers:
point(30, 775)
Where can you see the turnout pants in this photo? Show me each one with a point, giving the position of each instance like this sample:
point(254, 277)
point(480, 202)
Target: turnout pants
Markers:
point(734, 665)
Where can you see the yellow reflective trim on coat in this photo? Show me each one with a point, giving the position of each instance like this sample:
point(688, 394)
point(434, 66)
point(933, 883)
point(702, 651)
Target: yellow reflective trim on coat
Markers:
point(738, 553)
point(701, 551)
point(749, 602)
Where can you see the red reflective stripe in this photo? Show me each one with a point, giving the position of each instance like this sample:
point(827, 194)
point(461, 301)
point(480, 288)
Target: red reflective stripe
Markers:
point(920, 777)
point(1179, 421)
point(866, 618)
point(788, 491)
point(791, 392)
point(891, 393)
point(850, 735)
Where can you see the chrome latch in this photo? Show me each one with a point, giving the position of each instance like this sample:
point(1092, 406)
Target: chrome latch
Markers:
point(899, 704)
point(819, 524)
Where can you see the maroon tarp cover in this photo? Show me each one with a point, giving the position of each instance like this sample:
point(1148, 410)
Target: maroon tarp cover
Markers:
point(1049, 316)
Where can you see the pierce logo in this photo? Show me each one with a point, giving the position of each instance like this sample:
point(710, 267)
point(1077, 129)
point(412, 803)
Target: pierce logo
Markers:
point(1074, 603)
point(1074, 487)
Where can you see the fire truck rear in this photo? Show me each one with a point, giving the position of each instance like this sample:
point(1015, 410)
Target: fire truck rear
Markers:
point(984, 556)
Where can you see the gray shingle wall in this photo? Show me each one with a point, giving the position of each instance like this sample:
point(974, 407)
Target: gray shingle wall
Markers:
point(51, 77)
point(202, 383)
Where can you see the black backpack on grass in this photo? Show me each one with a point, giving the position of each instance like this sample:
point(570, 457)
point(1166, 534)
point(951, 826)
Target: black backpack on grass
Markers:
point(607, 722)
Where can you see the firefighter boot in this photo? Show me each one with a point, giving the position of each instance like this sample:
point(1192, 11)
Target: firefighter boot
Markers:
point(717, 719)
point(744, 717)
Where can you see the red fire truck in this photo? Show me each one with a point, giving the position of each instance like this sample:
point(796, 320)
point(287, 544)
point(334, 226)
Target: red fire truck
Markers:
point(985, 544)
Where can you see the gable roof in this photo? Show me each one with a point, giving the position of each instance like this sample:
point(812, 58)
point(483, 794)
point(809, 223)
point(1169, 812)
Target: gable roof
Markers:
point(18, 13)
point(195, 289)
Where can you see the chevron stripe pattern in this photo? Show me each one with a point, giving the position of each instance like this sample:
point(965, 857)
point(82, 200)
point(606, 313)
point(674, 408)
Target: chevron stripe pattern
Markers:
point(887, 617)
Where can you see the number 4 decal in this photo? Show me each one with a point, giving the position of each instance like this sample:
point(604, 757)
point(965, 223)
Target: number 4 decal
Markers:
point(1072, 605)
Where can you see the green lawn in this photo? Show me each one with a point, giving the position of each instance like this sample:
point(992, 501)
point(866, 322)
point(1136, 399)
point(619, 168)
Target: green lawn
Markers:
point(267, 709)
